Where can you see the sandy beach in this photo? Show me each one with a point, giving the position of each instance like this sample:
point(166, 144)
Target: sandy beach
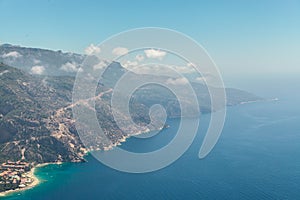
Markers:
point(35, 181)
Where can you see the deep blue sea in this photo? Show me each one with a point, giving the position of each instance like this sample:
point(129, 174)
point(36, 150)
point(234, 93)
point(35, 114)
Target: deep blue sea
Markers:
point(257, 157)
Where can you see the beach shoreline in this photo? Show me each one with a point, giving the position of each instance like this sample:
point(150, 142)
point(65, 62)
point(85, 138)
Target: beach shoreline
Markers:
point(34, 183)
point(35, 179)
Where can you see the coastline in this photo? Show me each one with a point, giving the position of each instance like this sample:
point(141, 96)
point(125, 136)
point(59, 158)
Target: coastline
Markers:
point(34, 183)
point(124, 138)
point(35, 179)
point(257, 101)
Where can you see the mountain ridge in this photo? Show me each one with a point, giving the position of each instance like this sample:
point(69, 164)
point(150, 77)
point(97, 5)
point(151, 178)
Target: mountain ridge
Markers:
point(36, 120)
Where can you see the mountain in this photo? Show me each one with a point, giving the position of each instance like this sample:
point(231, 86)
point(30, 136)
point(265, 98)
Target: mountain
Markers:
point(27, 105)
point(36, 120)
point(41, 61)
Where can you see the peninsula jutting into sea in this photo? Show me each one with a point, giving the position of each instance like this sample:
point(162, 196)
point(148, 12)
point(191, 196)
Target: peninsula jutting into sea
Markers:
point(36, 123)
point(149, 100)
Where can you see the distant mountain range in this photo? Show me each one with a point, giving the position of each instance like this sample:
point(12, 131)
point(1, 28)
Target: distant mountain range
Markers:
point(36, 122)
point(40, 61)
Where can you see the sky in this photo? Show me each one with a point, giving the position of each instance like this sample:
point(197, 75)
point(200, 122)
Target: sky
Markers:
point(256, 37)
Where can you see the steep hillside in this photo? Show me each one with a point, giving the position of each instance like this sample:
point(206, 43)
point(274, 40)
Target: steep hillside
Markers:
point(36, 122)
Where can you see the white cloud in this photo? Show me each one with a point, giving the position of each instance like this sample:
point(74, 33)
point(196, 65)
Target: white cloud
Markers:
point(183, 69)
point(190, 64)
point(206, 77)
point(70, 67)
point(120, 51)
point(177, 81)
point(13, 54)
point(100, 65)
point(129, 64)
point(3, 72)
point(170, 70)
point(139, 57)
point(153, 53)
point(38, 69)
point(201, 79)
point(92, 49)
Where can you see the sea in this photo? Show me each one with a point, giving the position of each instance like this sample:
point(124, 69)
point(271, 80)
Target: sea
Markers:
point(256, 157)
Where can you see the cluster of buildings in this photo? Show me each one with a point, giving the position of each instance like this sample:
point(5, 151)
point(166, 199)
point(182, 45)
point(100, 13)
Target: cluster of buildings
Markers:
point(14, 175)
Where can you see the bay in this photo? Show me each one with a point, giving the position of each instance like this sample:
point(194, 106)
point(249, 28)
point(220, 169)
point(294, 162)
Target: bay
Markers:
point(256, 157)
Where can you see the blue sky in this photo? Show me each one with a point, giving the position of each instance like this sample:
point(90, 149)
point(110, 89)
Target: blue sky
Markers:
point(241, 36)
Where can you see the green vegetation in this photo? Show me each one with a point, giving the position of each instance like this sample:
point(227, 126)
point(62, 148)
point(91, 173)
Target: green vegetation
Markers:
point(36, 122)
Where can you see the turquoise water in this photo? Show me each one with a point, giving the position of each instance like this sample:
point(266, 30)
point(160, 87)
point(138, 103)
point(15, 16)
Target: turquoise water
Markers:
point(257, 157)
